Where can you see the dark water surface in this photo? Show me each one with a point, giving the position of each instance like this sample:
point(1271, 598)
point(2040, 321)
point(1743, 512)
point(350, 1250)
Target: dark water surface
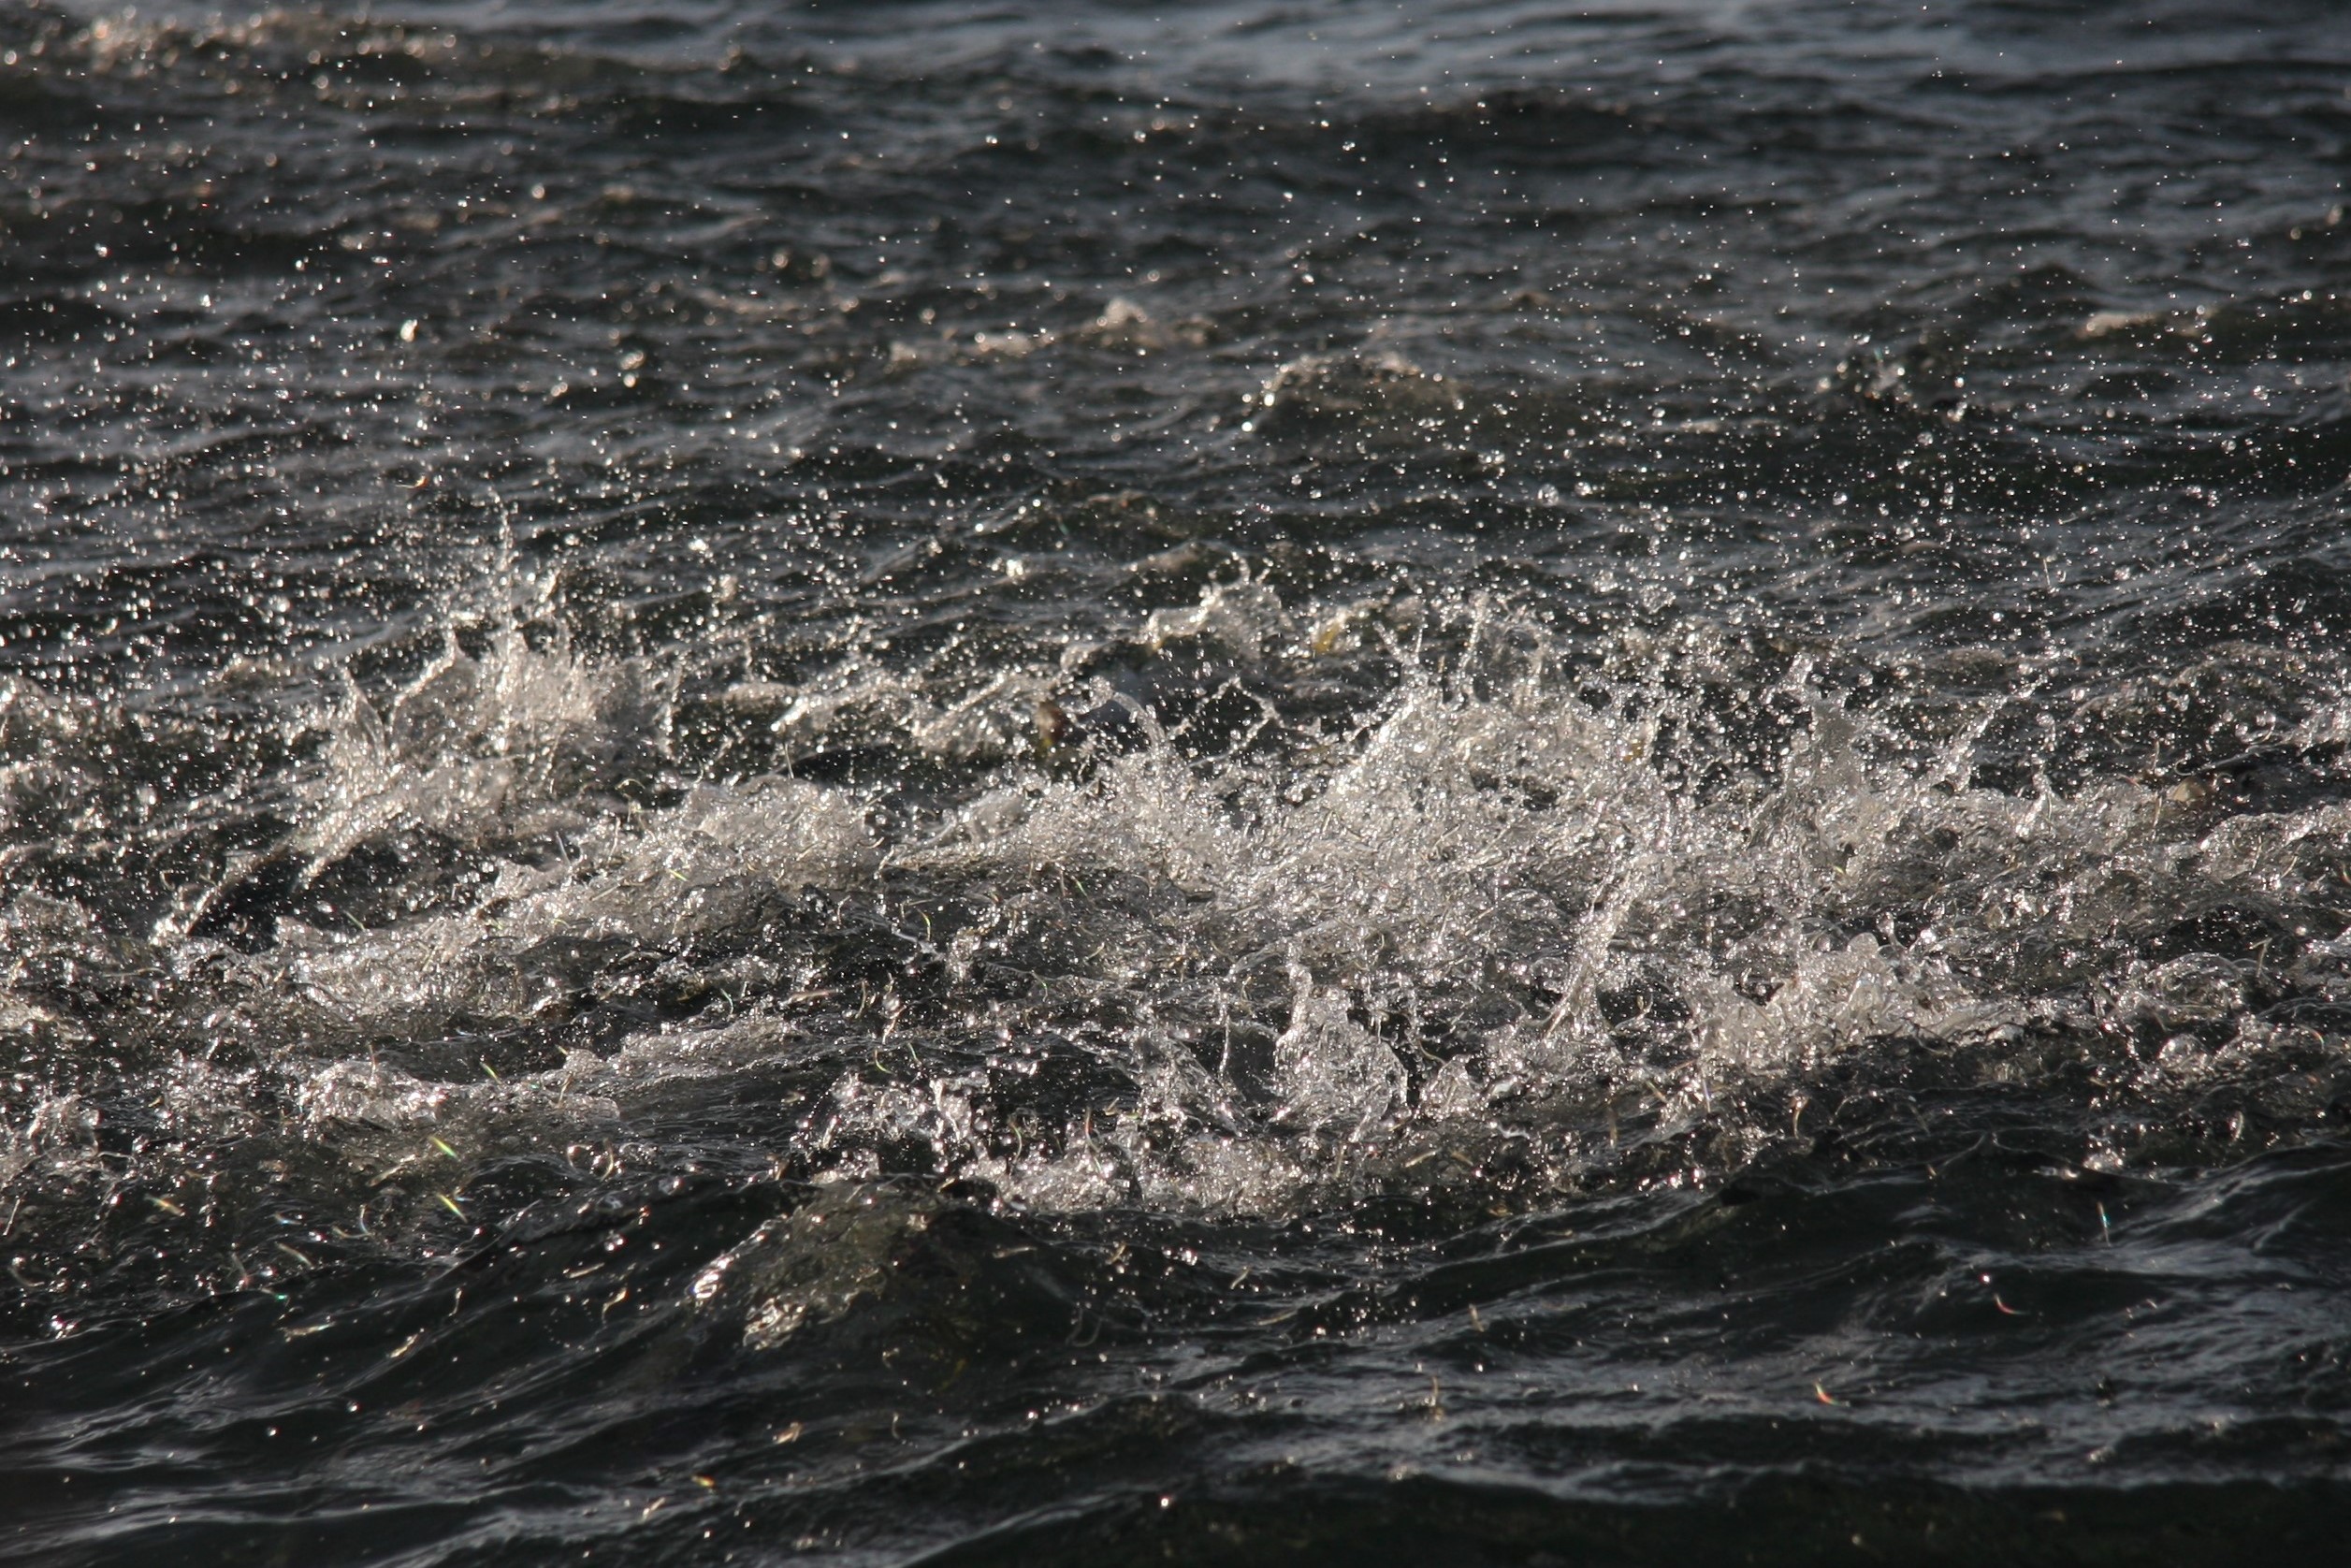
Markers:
point(1028, 783)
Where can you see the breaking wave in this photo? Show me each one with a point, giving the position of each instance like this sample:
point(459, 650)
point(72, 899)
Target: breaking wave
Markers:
point(1522, 919)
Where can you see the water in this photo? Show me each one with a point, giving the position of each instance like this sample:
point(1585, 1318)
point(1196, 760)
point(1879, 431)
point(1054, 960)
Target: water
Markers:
point(1286, 782)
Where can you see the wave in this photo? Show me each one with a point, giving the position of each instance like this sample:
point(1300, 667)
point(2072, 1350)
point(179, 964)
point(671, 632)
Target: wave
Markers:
point(1518, 914)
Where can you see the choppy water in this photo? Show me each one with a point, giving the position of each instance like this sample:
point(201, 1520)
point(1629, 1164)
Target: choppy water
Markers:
point(1285, 782)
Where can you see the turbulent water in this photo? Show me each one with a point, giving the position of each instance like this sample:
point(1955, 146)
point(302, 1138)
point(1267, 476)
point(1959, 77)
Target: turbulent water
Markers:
point(1036, 783)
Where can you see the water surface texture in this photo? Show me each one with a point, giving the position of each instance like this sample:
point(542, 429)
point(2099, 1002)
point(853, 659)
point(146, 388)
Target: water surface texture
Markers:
point(1299, 781)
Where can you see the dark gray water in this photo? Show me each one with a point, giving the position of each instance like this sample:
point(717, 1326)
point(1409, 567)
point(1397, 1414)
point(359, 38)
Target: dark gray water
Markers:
point(1285, 782)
